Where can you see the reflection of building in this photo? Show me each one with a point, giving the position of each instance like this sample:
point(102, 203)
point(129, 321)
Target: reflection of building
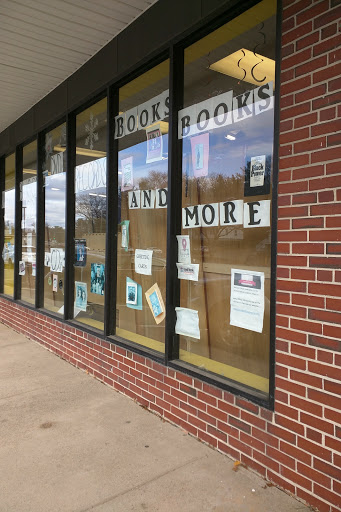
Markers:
point(256, 396)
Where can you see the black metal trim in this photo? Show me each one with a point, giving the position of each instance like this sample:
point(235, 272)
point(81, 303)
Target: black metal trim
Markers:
point(40, 223)
point(234, 387)
point(2, 221)
point(138, 349)
point(17, 220)
point(69, 272)
point(111, 224)
point(274, 223)
point(176, 87)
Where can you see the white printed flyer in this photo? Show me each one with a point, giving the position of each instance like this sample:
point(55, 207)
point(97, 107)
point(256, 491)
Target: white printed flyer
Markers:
point(184, 249)
point(188, 271)
point(247, 299)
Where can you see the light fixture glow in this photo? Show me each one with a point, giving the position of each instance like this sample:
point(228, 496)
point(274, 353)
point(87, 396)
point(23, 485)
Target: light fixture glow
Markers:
point(230, 137)
point(83, 151)
point(54, 188)
point(246, 66)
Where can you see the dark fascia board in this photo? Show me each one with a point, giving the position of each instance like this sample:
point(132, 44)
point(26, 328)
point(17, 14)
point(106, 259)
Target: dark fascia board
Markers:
point(51, 107)
point(5, 142)
point(93, 76)
point(164, 21)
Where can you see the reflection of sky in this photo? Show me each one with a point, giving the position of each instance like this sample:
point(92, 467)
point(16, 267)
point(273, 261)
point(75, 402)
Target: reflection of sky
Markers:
point(141, 169)
point(55, 200)
point(254, 136)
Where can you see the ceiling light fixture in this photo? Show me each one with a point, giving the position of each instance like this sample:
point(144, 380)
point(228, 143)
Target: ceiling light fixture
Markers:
point(83, 151)
point(246, 66)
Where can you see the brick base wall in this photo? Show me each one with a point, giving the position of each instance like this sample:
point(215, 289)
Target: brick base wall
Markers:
point(308, 333)
point(299, 456)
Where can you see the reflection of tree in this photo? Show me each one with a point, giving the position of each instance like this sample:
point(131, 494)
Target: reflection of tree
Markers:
point(89, 208)
point(214, 184)
point(155, 179)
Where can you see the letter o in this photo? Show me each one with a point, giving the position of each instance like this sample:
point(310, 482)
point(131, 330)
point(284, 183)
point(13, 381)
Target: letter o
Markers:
point(206, 112)
point(128, 123)
point(220, 123)
point(145, 113)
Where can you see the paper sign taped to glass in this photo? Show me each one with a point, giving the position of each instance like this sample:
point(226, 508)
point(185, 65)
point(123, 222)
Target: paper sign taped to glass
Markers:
point(154, 143)
point(127, 173)
point(247, 299)
point(143, 261)
point(55, 282)
point(133, 302)
point(131, 293)
point(80, 252)
point(187, 322)
point(57, 260)
point(257, 171)
point(184, 249)
point(125, 234)
point(81, 295)
point(200, 151)
point(155, 302)
point(188, 271)
point(97, 278)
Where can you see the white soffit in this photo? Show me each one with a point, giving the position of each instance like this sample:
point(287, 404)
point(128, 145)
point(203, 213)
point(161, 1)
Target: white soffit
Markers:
point(42, 42)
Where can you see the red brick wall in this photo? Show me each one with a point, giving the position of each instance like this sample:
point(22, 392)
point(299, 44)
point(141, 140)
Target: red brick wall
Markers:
point(298, 447)
point(308, 387)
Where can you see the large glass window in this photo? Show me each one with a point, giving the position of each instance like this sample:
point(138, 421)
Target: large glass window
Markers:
point(9, 227)
point(90, 214)
point(54, 193)
point(28, 190)
point(227, 128)
point(142, 132)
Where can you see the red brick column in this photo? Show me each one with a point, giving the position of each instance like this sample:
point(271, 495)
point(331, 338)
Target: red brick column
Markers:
point(308, 358)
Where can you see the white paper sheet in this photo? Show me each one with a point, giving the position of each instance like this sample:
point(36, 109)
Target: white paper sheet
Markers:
point(257, 171)
point(184, 249)
point(57, 260)
point(187, 322)
point(188, 271)
point(247, 299)
point(143, 261)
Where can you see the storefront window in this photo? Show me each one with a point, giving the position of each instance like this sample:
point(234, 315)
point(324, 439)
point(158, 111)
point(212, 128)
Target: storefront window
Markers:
point(54, 192)
point(9, 226)
point(90, 214)
point(28, 190)
point(142, 132)
point(227, 128)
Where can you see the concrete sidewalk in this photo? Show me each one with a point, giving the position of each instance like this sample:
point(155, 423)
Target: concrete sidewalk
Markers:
point(71, 444)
